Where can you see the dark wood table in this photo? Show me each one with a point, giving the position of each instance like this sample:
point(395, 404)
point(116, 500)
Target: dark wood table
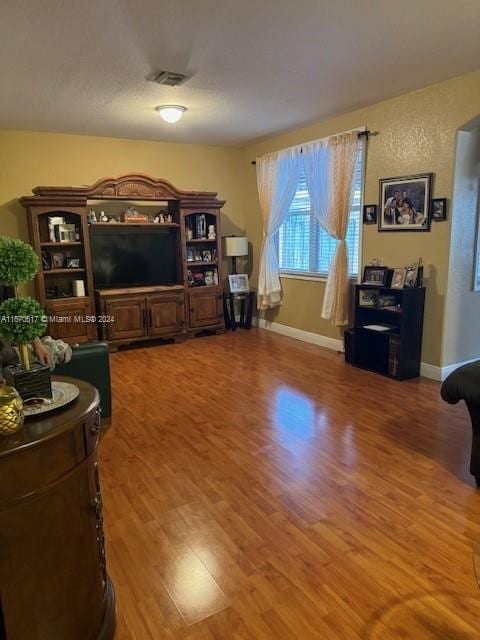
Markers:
point(53, 577)
point(247, 304)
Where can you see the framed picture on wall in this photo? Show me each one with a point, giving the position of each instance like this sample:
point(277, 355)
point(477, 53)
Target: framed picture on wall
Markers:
point(439, 209)
point(370, 214)
point(405, 203)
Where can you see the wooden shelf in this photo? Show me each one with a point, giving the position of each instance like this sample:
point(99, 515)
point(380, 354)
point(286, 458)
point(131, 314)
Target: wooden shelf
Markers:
point(200, 263)
point(381, 310)
point(159, 225)
point(61, 244)
point(56, 272)
point(197, 240)
point(203, 286)
point(62, 298)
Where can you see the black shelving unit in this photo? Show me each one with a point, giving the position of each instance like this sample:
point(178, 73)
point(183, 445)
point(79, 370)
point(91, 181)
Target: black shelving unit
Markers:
point(395, 352)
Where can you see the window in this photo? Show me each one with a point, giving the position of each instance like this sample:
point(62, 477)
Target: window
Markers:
point(304, 247)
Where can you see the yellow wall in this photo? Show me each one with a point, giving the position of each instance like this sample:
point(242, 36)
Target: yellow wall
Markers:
point(29, 159)
point(416, 133)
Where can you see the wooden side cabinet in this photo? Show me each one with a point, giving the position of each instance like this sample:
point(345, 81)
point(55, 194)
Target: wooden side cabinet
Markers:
point(205, 308)
point(142, 313)
point(53, 571)
point(166, 314)
point(125, 318)
point(71, 320)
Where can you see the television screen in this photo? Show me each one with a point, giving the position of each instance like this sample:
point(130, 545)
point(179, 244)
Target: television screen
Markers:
point(133, 257)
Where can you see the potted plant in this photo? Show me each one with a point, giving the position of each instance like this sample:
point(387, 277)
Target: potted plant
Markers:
point(22, 319)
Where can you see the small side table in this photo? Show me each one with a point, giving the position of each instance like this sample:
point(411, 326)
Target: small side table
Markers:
point(247, 304)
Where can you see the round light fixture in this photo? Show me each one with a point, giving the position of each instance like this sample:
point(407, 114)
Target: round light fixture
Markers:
point(170, 112)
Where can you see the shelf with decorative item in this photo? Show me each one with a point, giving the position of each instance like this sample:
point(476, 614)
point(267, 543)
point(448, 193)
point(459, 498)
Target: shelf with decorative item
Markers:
point(55, 272)
point(200, 240)
point(198, 263)
point(61, 244)
point(158, 225)
point(203, 286)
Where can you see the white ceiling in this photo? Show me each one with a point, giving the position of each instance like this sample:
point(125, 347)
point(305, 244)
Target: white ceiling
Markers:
point(259, 66)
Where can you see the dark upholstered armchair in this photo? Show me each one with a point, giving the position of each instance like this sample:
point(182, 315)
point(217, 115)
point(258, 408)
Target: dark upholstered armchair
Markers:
point(90, 362)
point(464, 384)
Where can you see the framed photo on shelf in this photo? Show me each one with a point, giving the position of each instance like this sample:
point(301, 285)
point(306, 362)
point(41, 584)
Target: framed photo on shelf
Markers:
point(367, 298)
point(439, 209)
point(405, 203)
point(375, 275)
point(411, 277)
point(370, 214)
point(57, 260)
point(238, 283)
point(398, 278)
point(46, 263)
point(73, 263)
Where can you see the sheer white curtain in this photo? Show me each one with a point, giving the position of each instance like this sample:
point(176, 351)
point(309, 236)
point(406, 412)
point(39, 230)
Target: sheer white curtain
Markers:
point(329, 170)
point(277, 178)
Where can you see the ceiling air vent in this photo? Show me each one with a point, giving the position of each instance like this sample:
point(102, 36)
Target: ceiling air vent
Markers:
point(170, 78)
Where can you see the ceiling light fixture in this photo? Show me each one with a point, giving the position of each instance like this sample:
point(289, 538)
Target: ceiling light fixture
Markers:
point(170, 112)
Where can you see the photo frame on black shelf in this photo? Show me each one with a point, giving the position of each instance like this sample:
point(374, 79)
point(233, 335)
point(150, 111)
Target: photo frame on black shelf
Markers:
point(411, 274)
point(405, 203)
point(73, 263)
point(238, 283)
point(375, 275)
point(398, 278)
point(367, 298)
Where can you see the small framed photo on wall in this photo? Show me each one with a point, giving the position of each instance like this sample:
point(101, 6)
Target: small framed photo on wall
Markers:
point(370, 214)
point(439, 209)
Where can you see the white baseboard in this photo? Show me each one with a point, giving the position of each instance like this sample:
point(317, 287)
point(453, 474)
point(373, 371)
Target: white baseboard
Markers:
point(300, 334)
point(426, 370)
point(431, 371)
point(449, 368)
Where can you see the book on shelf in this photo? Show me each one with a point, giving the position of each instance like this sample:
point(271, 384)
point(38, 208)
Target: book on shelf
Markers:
point(393, 355)
point(378, 327)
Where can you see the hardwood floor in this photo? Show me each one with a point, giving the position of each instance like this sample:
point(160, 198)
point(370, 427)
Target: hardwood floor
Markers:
point(256, 487)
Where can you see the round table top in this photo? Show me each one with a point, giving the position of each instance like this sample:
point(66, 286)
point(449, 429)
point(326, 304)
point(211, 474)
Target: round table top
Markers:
point(49, 425)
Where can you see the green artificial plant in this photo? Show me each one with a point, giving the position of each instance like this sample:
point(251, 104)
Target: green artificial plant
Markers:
point(21, 318)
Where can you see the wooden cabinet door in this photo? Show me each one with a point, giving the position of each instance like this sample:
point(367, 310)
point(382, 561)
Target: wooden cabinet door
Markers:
point(205, 309)
point(71, 321)
point(166, 314)
point(128, 318)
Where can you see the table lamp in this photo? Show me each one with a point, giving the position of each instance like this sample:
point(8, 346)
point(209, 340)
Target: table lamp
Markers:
point(236, 246)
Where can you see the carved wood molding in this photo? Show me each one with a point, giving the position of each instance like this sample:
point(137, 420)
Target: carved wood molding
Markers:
point(131, 186)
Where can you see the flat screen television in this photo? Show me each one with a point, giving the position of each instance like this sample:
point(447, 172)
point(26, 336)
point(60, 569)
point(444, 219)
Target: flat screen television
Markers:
point(133, 257)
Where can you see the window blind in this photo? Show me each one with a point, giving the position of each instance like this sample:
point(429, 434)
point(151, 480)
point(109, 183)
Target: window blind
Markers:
point(304, 247)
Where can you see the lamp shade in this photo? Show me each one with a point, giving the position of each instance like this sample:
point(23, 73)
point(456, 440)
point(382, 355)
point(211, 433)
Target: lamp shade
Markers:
point(236, 246)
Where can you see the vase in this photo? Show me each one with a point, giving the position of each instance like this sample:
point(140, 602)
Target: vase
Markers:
point(11, 415)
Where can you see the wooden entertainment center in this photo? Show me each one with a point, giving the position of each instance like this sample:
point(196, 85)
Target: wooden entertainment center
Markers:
point(190, 304)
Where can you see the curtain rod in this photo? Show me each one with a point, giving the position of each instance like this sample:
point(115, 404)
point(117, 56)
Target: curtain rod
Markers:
point(361, 134)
